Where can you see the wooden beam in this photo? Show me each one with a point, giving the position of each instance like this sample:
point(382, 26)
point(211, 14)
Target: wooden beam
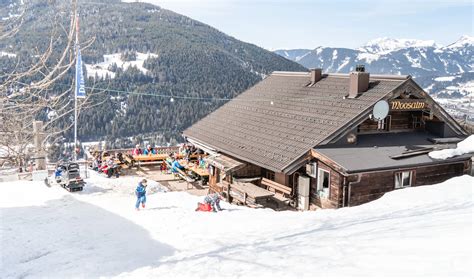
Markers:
point(335, 166)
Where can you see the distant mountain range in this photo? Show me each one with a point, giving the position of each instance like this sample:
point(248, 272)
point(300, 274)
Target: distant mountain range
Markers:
point(444, 71)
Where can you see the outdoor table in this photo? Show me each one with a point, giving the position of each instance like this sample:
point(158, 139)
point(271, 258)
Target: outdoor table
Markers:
point(153, 157)
point(248, 193)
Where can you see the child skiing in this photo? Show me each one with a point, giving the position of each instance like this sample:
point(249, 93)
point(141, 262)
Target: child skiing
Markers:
point(141, 194)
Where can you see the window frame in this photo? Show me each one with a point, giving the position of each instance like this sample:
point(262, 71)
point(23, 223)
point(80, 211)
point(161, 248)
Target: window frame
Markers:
point(319, 186)
point(411, 174)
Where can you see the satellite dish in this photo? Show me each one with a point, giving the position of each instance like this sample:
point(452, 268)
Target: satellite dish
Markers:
point(381, 109)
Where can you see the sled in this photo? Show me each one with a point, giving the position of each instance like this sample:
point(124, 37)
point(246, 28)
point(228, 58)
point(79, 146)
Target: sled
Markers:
point(204, 207)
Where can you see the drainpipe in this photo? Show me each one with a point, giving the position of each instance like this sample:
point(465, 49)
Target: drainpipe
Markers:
point(350, 189)
point(344, 189)
point(295, 175)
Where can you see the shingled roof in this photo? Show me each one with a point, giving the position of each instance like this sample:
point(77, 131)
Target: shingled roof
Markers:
point(281, 118)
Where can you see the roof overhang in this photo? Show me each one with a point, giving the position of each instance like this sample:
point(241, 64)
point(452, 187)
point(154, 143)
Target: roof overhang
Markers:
point(224, 163)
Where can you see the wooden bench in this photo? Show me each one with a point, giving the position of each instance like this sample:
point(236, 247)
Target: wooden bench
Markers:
point(282, 192)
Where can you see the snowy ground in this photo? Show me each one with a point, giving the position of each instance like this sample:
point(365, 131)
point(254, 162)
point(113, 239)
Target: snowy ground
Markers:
point(48, 232)
point(102, 69)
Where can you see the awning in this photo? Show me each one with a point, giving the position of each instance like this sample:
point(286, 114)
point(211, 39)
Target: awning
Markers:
point(224, 163)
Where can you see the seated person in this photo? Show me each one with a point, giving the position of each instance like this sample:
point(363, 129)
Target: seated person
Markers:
point(163, 166)
point(112, 168)
point(137, 150)
point(176, 165)
point(201, 162)
point(58, 172)
point(95, 164)
point(149, 151)
point(103, 167)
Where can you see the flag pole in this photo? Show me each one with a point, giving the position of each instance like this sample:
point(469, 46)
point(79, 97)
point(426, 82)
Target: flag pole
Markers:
point(76, 87)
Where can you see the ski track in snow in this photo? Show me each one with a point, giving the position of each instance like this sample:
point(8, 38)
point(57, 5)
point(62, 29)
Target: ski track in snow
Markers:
point(48, 232)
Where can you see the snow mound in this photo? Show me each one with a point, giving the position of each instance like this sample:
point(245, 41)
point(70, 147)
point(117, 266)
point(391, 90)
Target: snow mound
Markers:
point(464, 147)
point(48, 232)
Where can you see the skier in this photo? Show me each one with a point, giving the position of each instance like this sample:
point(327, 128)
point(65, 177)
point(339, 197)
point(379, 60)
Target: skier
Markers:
point(141, 194)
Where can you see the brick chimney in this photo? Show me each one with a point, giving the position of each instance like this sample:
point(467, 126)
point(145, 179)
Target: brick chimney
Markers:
point(316, 75)
point(358, 81)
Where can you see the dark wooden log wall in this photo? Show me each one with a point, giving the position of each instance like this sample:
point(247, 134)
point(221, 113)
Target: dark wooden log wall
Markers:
point(397, 121)
point(248, 171)
point(374, 185)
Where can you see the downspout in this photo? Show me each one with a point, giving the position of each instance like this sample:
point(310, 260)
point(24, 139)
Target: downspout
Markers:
point(350, 189)
point(344, 188)
point(295, 201)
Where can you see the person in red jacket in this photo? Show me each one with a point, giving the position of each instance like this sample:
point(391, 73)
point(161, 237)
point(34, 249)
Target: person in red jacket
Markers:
point(137, 150)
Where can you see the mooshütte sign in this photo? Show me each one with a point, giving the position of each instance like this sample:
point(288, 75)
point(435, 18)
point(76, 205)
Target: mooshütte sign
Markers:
point(407, 104)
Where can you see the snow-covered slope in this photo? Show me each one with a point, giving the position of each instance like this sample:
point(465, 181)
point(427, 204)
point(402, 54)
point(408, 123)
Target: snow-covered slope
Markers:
point(293, 54)
point(105, 69)
point(48, 232)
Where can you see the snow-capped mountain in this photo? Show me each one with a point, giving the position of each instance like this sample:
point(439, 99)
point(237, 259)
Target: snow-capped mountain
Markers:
point(386, 45)
point(424, 60)
point(463, 42)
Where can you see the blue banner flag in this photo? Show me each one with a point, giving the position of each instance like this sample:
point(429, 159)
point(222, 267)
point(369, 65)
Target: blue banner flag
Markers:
point(80, 87)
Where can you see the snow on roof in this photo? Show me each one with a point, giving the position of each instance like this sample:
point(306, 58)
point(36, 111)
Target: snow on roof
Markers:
point(464, 147)
point(420, 231)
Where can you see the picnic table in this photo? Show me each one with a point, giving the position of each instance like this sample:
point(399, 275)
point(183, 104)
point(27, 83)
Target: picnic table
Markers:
point(247, 193)
point(195, 168)
point(149, 158)
point(201, 174)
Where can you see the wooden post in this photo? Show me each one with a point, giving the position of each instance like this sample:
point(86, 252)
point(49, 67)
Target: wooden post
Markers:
point(38, 143)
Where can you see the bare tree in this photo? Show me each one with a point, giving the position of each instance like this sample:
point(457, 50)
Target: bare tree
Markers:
point(28, 91)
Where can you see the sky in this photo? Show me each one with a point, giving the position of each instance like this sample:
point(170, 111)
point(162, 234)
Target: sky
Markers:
point(289, 24)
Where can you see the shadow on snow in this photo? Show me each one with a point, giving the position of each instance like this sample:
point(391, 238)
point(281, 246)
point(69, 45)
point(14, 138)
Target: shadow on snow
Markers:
point(68, 238)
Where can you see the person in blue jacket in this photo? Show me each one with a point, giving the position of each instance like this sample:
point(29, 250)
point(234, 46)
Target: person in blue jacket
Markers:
point(176, 165)
point(141, 194)
point(149, 151)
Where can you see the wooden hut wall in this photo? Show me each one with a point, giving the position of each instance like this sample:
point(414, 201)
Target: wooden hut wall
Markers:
point(396, 121)
point(248, 171)
point(374, 185)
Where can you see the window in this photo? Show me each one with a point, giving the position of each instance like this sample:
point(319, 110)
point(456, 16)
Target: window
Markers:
point(323, 183)
point(384, 124)
point(381, 124)
point(270, 175)
point(403, 179)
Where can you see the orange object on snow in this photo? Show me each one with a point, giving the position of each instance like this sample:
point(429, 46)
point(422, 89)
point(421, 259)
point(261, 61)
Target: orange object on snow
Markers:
point(204, 207)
